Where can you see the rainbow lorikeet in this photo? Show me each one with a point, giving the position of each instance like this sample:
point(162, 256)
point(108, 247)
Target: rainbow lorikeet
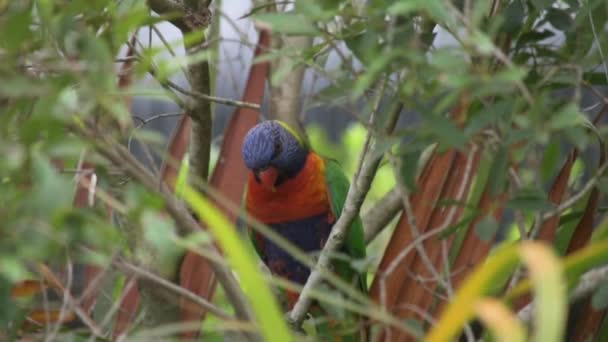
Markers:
point(299, 195)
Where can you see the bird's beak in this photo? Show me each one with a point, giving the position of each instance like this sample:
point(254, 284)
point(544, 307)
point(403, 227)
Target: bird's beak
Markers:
point(268, 177)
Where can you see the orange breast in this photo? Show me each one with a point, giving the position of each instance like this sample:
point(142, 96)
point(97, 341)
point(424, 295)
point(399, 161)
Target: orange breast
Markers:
point(300, 197)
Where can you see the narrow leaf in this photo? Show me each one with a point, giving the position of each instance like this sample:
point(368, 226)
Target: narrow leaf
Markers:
point(550, 291)
point(264, 305)
point(502, 323)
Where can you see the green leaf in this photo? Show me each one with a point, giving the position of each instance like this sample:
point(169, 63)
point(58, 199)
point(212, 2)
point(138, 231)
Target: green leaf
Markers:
point(415, 325)
point(409, 168)
point(602, 184)
point(489, 115)
point(375, 69)
point(580, 38)
point(481, 9)
point(478, 285)
point(542, 4)
point(434, 8)
point(569, 116)
point(127, 21)
point(53, 190)
point(483, 42)
point(264, 305)
point(18, 25)
point(318, 10)
point(498, 171)
point(513, 16)
point(365, 46)
point(530, 200)
point(601, 231)
point(288, 23)
point(560, 19)
point(550, 161)
point(22, 87)
point(575, 264)
point(595, 254)
point(446, 132)
point(599, 301)
point(160, 251)
point(402, 7)
point(486, 228)
point(12, 269)
point(547, 275)
point(533, 37)
point(549, 284)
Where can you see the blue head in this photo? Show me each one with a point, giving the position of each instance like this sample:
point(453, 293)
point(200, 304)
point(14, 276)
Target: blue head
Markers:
point(273, 152)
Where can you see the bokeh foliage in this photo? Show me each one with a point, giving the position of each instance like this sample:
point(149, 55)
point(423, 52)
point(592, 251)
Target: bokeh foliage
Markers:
point(528, 73)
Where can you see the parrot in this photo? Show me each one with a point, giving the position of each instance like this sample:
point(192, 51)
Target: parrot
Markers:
point(299, 195)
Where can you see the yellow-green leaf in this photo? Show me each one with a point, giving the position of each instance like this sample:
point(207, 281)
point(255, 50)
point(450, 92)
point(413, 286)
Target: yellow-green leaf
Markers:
point(549, 283)
point(477, 285)
point(549, 291)
point(269, 317)
point(502, 323)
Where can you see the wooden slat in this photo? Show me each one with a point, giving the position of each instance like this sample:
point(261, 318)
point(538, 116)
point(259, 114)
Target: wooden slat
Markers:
point(419, 292)
point(392, 271)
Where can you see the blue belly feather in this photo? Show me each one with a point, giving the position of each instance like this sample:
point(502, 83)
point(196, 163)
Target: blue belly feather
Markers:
point(308, 234)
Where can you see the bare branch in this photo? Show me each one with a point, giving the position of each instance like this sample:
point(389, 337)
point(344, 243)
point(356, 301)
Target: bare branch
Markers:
point(378, 217)
point(170, 7)
point(200, 96)
point(591, 183)
point(285, 93)
point(368, 165)
point(140, 272)
point(50, 277)
point(119, 156)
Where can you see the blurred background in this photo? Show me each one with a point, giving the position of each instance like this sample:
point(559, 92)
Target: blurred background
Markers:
point(334, 130)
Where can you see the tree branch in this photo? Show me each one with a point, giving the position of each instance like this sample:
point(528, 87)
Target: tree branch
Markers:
point(380, 215)
point(131, 269)
point(170, 7)
point(204, 97)
point(368, 165)
point(285, 93)
point(64, 292)
point(121, 157)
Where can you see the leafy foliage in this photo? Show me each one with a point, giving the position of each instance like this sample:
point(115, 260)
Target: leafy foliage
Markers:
point(485, 117)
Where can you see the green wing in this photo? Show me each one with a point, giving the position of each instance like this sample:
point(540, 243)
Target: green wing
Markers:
point(354, 246)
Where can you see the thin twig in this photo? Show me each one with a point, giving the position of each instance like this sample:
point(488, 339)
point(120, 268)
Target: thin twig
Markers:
point(200, 96)
point(578, 196)
point(50, 277)
point(119, 156)
point(599, 46)
point(142, 273)
point(64, 304)
point(117, 305)
point(163, 40)
point(411, 218)
point(143, 122)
